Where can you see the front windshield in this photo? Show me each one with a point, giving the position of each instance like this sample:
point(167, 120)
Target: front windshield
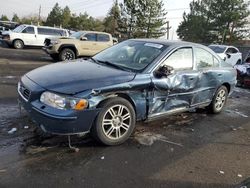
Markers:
point(131, 55)
point(77, 35)
point(218, 49)
point(19, 29)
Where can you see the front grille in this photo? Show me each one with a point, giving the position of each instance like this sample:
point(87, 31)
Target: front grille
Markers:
point(47, 42)
point(24, 92)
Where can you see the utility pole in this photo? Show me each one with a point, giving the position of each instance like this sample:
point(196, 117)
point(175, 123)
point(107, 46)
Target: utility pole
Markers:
point(39, 15)
point(168, 29)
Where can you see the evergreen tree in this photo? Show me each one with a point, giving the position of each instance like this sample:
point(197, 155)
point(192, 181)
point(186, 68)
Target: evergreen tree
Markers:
point(151, 19)
point(214, 21)
point(55, 17)
point(4, 18)
point(66, 16)
point(111, 22)
point(15, 18)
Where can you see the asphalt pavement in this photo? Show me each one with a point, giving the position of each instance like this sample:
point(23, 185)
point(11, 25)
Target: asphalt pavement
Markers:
point(190, 150)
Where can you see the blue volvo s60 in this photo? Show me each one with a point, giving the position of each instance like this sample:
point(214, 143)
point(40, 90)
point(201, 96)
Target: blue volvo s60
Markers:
point(136, 80)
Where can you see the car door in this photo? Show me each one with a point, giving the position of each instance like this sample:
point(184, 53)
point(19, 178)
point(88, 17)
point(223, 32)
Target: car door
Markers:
point(28, 35)
point(233, 56)
point(210, 75)
point(103, 41)
point(88, 46)
point(176, 91)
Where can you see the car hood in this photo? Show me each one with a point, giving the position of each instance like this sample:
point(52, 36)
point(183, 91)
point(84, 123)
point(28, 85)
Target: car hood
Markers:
point(77, 76)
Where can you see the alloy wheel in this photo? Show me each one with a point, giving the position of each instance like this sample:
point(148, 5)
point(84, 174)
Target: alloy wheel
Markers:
point(116, 122)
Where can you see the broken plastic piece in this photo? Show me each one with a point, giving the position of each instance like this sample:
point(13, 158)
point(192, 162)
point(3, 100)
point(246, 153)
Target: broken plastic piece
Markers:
point(240, 176)
point(75, 149)
point(102, 158)
point(12, 130)
point(222, 172)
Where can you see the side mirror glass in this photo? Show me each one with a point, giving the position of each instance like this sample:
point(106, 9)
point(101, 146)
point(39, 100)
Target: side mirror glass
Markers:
point(164, 71)
point(83, 38)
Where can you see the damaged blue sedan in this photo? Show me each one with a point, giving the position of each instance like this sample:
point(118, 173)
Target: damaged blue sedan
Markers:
point(136, 80)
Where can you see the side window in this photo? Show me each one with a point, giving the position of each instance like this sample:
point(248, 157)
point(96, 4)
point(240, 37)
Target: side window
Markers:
point(103, 38)
point(90, 36)
point(181, 59)
point(29, 30)
point(232, 51)
point(203, 58)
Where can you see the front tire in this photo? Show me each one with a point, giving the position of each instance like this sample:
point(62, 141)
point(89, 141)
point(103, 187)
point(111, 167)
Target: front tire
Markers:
point(219, 100)
point(115, 123)
point(67, 54)
point(18, 44)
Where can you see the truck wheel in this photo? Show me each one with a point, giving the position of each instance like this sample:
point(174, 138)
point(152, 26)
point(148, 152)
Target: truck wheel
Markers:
point(67, 54)
point(115, 123)
point(219, 100)
point(18, 44)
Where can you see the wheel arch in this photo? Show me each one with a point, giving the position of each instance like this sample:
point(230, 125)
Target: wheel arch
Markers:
point(70, 46)
point(227, 85)
point(18, 39)
point(139, 107)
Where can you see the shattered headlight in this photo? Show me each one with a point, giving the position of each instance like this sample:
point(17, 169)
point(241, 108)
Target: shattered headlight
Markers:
point(63, 102)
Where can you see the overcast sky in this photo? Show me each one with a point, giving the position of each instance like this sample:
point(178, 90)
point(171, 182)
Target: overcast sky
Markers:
point(95, 8)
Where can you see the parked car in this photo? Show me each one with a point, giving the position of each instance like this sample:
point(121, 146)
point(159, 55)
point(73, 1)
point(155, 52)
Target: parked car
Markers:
point(30, 35)
point(135, 80)
point(230, 54)
point(243, 73)
point(82, 43)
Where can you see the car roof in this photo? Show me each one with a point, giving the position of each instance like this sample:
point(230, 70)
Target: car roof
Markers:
point(170, 42)
point(44, 27)
point(98, 32)
point(223, 46)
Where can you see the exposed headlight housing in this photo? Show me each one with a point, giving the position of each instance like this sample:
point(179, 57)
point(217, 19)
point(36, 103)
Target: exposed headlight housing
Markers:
point(54, 42)
point(63, 102)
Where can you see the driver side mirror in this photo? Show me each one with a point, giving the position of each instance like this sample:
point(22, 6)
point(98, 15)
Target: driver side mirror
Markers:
point(83, 38)
point(164, 71)
point(228, 55)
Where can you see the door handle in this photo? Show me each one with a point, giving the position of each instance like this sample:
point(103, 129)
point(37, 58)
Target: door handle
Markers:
point(219, 74)
point(191, 78)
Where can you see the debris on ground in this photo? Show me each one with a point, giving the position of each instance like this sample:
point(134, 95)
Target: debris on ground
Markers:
point(34, 149)
point(182, 122)
point(222, 172)
point(26, 127)
point(236, 111)
point(2, 170)
point(102, 158)
point(13, 130)
point(148, 139)
point(240, 176)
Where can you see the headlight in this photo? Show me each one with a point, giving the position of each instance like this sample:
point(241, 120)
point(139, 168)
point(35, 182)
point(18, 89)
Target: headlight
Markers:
point(54, 42)
point(63, 102)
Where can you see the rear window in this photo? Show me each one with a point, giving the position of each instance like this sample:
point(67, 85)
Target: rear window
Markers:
point(48, 31)
point(103, 38)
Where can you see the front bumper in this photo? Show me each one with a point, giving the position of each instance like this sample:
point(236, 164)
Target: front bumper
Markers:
point(50, 50)
point(56, 121)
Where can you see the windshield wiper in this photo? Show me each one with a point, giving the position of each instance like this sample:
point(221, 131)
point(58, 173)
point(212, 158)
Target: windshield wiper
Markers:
point(111, 64)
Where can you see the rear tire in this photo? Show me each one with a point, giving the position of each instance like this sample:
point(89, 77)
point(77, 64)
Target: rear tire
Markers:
point(115, 123)
point(219, 100)
point(67, 54)
point(18, 44)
